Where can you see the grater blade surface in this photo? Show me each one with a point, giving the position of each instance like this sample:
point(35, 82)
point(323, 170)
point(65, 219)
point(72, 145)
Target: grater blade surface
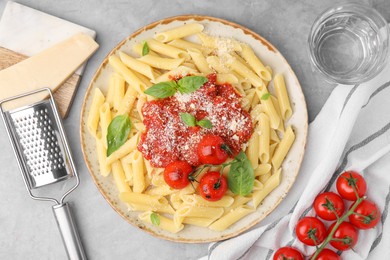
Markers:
point(39, 144)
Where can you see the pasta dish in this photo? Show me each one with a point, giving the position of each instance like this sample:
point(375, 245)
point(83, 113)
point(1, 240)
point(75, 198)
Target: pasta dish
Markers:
point(193, 130)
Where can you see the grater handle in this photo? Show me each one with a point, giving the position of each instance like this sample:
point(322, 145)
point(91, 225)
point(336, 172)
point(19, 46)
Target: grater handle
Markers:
point(69, 233)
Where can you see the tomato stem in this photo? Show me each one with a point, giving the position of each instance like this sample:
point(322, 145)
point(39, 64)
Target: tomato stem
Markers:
point(367, 219)
point(352, 182)
point(227, 149)
point(329, 205)
point(193, 175)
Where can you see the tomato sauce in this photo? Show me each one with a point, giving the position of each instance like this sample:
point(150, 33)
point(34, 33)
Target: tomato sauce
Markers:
point(167, 138)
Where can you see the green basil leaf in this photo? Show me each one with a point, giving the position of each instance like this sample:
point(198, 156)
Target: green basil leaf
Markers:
point(155, 218)
point(205, 123)
point(145, 49)
point(188, 119)
point(241, 177)
point(117, 133)
point(191, 83)
point(162, 89)
point(265, 96)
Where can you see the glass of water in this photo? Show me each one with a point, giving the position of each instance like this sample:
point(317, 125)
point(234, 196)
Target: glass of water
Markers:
point(349, 43)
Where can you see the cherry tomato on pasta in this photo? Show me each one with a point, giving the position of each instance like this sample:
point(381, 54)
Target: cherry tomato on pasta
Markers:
point(212, 186)
point(176, 174)
point(212, 150)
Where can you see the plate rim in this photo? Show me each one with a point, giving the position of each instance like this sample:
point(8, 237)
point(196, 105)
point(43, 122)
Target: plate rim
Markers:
point(104, 63)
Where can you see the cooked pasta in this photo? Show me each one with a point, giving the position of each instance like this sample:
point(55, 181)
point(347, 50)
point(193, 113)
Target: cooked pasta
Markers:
point(144, 187)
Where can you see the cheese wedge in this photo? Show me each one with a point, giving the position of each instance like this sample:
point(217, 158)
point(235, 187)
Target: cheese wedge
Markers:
point(49, 68)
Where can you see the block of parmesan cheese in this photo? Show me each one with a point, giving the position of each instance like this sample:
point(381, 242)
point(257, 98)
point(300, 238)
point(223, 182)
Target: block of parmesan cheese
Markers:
point(49, 68)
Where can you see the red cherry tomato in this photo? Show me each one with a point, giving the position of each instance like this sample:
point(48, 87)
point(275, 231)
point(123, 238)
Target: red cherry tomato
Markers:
point(368, 215)
point(345, 183)
point(346, 235)
point(211, 150)
point(176, 174)
point(212, 186)
point(289, 253)
point(327, 254)
point(310, 231)
point(327, 203)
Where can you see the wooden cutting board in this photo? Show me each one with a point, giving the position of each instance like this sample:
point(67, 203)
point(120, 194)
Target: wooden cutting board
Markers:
point(64, 94)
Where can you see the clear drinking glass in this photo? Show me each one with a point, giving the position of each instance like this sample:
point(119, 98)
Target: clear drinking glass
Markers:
point(349, 43)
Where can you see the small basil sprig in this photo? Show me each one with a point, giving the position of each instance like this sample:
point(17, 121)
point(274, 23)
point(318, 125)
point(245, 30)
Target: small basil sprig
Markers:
point(265, 96)
point(117, 133)
point(155, 218)
point(185, 85)
point(145, 49)
point(190, 120)
point(241, 177)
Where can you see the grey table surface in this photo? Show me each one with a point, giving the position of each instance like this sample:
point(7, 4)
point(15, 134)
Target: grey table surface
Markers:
point(28, 229)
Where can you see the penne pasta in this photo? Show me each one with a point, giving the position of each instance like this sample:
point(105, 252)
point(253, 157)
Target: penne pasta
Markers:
point(139, 184)
point(126, 148)
point(127, 74)
point(262, 169)
point(200, 222)
point(196, 200)
point(255, 63)
point(252, 152)
point(264, 139)
point(105, 119)
point(161, 63)
point(275, 102)
point(145, 199)
point(269, 186)
point(176, 200)
point(167, 50)
point(283, 147)
point(281, 93)
point(185, 45)
point(93, 114)
point(127, 101)
point(104, 168)
point(162, 208)
point(137, 65)
point(165, 223)
point(111, 91)
point(245, 72)
point(179, 32)
point(200, 61)
point(230, 218)
point(215, 63)
point(162, 190)
point(179, 71)
point(119, 177)
point(226, 78)
point(119, 86)
point(128, 169)
point(269, 109)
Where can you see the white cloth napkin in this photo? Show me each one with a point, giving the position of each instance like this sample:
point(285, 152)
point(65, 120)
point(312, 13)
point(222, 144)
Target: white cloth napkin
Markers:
point(350, 133)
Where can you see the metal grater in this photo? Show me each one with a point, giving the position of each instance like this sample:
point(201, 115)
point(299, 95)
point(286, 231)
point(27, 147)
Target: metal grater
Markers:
point(41, 149)
point(38, 145)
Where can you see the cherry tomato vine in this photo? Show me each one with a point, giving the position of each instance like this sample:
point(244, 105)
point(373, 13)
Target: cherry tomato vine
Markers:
point(342, 235)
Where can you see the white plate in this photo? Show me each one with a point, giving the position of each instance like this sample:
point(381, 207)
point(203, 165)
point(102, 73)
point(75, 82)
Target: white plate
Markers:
point(270, 56)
